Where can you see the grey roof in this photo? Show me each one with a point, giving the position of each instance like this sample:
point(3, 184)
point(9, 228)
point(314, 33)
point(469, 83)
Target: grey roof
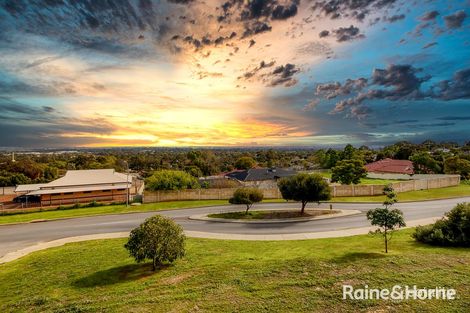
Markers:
point(259, 174)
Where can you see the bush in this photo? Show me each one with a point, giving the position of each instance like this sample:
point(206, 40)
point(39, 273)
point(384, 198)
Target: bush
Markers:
point(159, 239)
point(247, 196)
point(452, 230)
point(171, 180)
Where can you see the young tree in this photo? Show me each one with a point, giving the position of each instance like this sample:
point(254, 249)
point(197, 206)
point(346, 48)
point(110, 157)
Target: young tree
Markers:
point(387, 220)
point(348, 172)
point(245, 163)
point(159, 239)
point(305, 188)
point(171, 180)
point(247, 196)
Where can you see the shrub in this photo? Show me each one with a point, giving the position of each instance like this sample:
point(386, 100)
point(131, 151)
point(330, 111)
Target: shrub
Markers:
point(452, 230)
point(171, 180)
point(247, 196)
point(159, 239)
point(305, 188)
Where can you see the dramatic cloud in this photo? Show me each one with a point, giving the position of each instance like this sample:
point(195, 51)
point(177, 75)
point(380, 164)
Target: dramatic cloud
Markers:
point(283, 75)
point(429, 16)
point(402, 82)
point(457, 88)
point(395, 18)
point(347, 33)
point(455, 20)
point(335, 9)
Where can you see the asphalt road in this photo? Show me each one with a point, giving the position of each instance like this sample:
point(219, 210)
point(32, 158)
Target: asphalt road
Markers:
point(15, 237)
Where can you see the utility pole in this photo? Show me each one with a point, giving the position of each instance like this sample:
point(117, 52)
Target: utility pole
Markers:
point(127, 184)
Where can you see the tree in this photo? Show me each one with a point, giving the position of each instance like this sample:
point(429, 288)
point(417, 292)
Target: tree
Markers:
point(171, 180)
point(158, 239)
point(387, 220)
point(245, 163)
point(348, 172)
point(247, 196)
point(423, 163)
point(456, 165)
point(305, 188)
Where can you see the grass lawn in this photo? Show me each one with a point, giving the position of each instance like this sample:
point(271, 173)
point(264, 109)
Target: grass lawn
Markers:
point(108, 209)
point(272, 214)
point(431, 194)
point(367, 181)
point(235, 276)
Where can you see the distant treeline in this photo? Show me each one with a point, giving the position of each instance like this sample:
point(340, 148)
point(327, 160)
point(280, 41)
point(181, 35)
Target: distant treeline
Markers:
point(428, 157)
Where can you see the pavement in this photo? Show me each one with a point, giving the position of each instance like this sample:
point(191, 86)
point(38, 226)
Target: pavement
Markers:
point(21, 237)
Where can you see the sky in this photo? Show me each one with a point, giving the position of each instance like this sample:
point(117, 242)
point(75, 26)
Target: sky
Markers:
point(233, 73)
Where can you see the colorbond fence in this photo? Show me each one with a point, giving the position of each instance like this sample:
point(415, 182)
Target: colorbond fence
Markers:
point(274, 193)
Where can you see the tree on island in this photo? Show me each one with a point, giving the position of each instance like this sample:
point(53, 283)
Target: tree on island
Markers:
point(348, 172)
point(247, 196)
point(387, 220)
point(159, 239)
point(305, 188)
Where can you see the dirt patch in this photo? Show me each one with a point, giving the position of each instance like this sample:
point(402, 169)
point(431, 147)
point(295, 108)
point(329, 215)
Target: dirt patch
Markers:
point(274, 214)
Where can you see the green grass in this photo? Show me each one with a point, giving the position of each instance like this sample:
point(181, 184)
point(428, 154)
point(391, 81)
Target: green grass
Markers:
point(367, 181)
point(108, 209)
point(235, 276)
point(431, 194)
point(271, 214)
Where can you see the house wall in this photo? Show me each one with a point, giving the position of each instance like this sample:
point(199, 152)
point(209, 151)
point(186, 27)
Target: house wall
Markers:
point(84, 197)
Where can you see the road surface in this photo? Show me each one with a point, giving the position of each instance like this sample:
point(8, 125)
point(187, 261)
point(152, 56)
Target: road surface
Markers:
point(19, 236)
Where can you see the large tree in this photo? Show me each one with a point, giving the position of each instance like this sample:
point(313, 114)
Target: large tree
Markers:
point(305, 188)
point(171, 180)
point(245, 163)
point(348, 172)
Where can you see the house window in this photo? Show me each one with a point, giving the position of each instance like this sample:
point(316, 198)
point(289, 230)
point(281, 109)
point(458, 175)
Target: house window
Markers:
point(68, 193)
point(107, 190)
point(87, 191)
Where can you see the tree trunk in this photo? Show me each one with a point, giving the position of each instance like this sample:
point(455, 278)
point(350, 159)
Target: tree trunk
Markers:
point(247, 208)
point(154, 264)
point(304, 203)
point(386, 241)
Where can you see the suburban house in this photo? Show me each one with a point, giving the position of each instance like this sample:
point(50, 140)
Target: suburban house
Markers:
point(260, 177)
point(82, 186)
point(391, 166)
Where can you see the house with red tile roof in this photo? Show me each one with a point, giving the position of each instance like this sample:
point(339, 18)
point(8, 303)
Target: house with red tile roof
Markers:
point(391, 166)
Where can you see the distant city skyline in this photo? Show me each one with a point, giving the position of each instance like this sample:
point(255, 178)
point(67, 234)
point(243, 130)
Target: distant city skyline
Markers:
point(233, 73)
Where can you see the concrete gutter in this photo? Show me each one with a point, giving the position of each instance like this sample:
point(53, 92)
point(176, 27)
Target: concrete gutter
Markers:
point(221, 236)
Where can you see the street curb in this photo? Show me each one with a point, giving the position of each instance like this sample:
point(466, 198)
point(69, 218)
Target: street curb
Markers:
point(342, 213)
